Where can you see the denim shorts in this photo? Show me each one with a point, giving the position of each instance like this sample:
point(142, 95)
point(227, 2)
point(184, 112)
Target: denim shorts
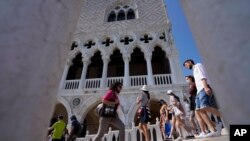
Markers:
point(202, 100)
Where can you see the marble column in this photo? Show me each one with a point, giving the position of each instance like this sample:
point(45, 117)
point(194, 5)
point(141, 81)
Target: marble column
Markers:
point(221, 31)
point(35, 39)
point(126, 80)
point(86, 63)
point(150, 79)
point(104, 72)
point(65, 73)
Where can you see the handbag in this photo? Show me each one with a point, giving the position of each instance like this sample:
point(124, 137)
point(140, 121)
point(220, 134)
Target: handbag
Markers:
point(108, 111)
point(104, 110)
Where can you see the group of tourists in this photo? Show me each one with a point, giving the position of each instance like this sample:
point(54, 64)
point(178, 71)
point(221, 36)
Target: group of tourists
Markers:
point(196, 107)
point(190, 113)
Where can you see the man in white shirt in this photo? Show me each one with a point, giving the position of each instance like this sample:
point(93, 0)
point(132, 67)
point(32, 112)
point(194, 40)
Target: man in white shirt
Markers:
point(204, 99)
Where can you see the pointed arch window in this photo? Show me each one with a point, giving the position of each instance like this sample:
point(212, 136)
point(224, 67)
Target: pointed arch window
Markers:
point(131, 14)
point(121, 16)
point(112, 17)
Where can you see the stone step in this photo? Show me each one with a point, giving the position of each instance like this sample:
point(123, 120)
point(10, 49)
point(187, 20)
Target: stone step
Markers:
point(224, 137)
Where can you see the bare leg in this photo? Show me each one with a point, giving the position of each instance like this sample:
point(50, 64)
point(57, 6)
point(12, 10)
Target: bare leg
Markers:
point(163, 130)
point(172, 127)
point(212, 110)
point(208, 122)
point(145, 130)
point(200, 121)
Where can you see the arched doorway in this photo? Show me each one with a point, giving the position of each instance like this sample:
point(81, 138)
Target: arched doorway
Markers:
point(116, 64)
point(160, 63)
point(92, 121)
point(75, 71)
point(137, 65)
point(95, 68)
point(59, 110)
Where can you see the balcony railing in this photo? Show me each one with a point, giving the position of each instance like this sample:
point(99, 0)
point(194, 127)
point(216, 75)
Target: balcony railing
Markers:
point(72, 84)
point(138, 80)
point(160, 79)
point(92, 83)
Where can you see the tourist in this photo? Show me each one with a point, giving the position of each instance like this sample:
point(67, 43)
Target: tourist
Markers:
point(109, 113)
point(178, 117)
point(58, 129)
point(144, 111)
point(75, 129)
point(191, 100)
point(165, 117)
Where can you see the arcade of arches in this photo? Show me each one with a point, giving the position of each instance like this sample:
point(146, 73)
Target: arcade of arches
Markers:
point(138, 65)
point(91, 120)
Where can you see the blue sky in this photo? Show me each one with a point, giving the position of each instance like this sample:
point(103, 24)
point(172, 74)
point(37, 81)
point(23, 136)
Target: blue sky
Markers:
point(182, 35)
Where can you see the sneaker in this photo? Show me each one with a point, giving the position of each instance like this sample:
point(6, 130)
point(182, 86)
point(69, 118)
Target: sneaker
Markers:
point(218, 126)
point(201, 135)
point(189, 137)
point(213, 134)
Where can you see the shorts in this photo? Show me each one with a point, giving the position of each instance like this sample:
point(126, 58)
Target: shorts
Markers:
point(202, 100)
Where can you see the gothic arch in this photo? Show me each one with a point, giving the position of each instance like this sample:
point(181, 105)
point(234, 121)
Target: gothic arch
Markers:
point(116, 64)
point(143, 49)
point(91, 103)
point(95, 68)
point(121, 15)
point(75, 70)
point(138, 64)
point(65, 104)
point(160, 62)
point(130, 14)
point(112, 16)
point(73, 54)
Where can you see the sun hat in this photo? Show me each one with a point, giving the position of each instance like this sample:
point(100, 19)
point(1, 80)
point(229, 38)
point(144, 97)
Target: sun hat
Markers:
point(144, 88)
point(170, 92)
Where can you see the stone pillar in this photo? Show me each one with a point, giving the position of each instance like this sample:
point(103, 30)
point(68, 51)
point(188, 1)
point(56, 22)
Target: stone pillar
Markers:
point(221, 30)
point(104, 72)
point(86, 63)
point(150, 79)
point(126, 80)
point(35, 39)
point(65, 73)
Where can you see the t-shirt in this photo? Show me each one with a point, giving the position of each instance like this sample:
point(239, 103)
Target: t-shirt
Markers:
point(110, 96)
point(58, 127)
point(199, 74)
point(144, 99)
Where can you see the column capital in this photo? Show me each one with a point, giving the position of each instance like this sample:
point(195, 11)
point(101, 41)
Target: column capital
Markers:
point(69, 62)
point(86, 61)
point(105, 59)
point(148, 56)
point(126, 57)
